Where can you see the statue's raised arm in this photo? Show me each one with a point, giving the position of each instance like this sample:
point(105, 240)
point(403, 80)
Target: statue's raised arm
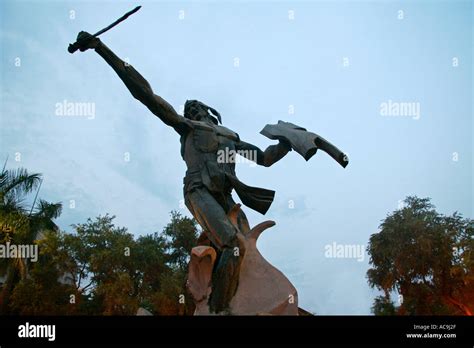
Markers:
point(135, 82)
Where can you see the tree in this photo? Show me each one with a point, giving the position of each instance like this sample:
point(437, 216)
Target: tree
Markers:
point(98, 269)
point(181, 236)
point(41, 293)
point(113, 273)
point(427, 258)
point(19, 224)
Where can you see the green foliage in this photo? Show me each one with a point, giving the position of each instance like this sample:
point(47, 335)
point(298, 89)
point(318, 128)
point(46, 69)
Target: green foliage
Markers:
point(181, 237)
point(100, 269)
point(383, 306)
point(109, 272)
point(20, 225)
point(426, 257)
point(41, 293)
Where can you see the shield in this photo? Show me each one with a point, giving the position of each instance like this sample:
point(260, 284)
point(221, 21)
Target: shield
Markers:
point(303, 142)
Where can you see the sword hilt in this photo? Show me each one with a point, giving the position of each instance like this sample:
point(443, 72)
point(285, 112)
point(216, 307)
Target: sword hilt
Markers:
point(73, 47)
point(76, 45)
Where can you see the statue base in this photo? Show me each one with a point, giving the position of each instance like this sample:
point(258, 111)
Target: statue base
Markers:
point(262, 289)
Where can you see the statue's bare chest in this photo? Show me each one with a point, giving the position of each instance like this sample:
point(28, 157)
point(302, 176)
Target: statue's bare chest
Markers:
point(204, 140)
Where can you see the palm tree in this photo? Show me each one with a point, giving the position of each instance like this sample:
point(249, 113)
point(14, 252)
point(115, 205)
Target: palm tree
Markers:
point(20, 225)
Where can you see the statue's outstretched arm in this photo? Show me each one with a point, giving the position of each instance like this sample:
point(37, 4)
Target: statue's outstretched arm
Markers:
point(136, 83)
point(266, 158)
point(141, 89)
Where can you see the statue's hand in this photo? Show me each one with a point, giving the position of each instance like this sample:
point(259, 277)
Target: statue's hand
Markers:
point(87, 41)
point(285, 144)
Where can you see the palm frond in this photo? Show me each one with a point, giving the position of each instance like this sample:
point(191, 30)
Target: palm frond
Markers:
point(18, 183)
point(48, 210)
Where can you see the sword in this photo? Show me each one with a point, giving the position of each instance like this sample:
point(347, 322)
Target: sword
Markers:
point(75, 46)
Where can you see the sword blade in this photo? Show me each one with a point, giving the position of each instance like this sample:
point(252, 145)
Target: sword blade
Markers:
point(75, 46)
point(121, 19)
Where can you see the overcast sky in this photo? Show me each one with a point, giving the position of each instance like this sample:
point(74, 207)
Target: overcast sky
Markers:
point(327, 66)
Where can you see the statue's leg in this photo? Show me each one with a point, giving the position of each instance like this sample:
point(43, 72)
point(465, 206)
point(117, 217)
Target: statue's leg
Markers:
point(212, 217)
point(242, 222)
point(223, 234)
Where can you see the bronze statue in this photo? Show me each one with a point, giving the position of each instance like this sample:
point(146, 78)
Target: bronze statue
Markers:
point(208, 182)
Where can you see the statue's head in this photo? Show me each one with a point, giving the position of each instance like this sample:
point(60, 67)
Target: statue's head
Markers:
point(198, 111)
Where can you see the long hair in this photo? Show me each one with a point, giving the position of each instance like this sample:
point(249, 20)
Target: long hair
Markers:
point(191, 107)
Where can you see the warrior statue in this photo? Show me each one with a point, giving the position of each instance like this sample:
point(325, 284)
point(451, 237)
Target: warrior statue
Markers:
point(208, 182)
